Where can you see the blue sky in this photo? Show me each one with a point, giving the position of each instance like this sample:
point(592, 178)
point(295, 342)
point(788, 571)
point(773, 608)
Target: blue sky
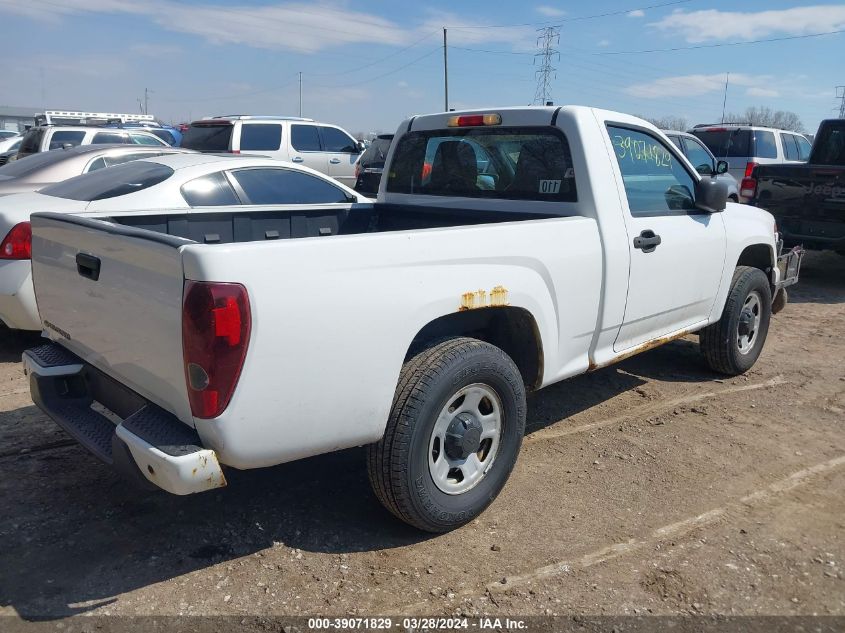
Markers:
point(368, 65)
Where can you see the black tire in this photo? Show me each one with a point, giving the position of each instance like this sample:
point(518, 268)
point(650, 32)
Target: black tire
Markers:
point(720, 342)
point(398, 465)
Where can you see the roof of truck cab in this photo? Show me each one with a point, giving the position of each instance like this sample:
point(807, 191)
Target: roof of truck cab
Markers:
point(520, 115)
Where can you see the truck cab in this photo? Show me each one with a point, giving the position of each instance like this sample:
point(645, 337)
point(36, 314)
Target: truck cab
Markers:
point(508, 249)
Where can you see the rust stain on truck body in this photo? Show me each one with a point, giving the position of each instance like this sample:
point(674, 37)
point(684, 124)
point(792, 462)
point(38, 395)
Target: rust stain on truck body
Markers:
point(497, 298)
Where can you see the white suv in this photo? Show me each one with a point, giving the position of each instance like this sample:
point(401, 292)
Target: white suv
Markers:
point(44, 138)
point(746, 146)
point(327, 148)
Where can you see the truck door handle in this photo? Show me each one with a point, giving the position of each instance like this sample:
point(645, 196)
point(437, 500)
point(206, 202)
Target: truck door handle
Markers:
point(297, 159)
point(88, 266)
point(647, 241)
point(334, 161)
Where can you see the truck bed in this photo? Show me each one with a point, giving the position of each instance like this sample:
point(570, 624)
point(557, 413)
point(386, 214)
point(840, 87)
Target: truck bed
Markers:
point(230, 227)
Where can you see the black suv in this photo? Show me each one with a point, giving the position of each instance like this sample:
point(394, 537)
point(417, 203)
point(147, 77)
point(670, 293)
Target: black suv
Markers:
point(371, 165)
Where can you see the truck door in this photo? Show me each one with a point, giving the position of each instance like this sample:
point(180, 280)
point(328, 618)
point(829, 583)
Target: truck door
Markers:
point(677, 251)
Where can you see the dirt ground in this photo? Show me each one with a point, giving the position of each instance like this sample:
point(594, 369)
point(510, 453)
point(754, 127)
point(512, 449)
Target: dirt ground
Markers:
point(650, 487)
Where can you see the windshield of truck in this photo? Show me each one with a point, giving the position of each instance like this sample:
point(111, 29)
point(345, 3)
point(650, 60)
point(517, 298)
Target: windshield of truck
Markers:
point(829, 146)
point(485, 162)
point(110, 183)
point(726, 142)
point(212, 137)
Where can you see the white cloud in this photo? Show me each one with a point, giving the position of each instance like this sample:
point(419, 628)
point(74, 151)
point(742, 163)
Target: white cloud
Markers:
point(520, 38)
point(155, 50)
point(761, 92)
point(711, 24)
point(636, 13)
point(402, 84)
point(693, 85)
point(296, 26)
point(603, 43)
point(552, 12)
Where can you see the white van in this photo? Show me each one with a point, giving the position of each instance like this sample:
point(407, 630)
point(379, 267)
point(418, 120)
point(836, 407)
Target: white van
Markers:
point(326, 148)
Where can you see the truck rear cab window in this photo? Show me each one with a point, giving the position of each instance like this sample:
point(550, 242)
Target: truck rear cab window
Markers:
point(284, 186)
point(211, 190)
point(61, 138)
point(655, 182)
point(261, 137)
point(214, 137)
point(110, 183)
point(305, 138)
point(496, 163)
point(829, 147)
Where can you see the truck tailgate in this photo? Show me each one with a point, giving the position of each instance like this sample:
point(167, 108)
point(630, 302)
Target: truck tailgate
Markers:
point(113, 296)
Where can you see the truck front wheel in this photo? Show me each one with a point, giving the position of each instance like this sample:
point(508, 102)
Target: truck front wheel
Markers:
point(453, 435)
point(733, 344)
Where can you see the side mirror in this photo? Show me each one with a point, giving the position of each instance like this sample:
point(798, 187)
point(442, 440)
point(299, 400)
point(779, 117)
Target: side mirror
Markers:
point(67, 145)
point(711, 195)
point(360, 146)
point(722, 167)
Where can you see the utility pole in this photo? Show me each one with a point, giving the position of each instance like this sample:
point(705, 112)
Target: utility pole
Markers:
point(146, 101)
point(840, 94)
point(300, 94)
point(725, 99)
point(546, 41)
point(445, 73)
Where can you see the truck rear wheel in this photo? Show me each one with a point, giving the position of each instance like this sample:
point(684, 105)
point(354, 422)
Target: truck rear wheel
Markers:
point(733, 344)
point(453, 435)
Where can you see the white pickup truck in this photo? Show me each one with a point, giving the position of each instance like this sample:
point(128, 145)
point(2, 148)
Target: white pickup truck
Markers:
point(508, 249)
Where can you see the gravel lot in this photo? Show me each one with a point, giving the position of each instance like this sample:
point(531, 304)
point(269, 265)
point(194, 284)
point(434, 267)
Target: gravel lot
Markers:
point(653, 486)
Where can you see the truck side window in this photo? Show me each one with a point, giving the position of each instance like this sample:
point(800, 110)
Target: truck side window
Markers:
point(71, 137)
point(655, 183)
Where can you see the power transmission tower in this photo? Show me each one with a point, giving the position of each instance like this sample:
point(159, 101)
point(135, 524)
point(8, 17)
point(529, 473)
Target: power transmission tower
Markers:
point(547, 40)
point(840, 94)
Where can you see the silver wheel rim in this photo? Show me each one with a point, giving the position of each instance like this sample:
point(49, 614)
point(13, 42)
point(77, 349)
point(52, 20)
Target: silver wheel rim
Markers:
point(456, 475)
point(749, 322)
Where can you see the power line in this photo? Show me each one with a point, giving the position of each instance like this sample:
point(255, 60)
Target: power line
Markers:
point(549, 37)
point(689, 48)
point(574, 18)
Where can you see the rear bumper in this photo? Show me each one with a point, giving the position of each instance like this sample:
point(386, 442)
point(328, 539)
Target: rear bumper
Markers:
point(17, 297)
point(142, 441)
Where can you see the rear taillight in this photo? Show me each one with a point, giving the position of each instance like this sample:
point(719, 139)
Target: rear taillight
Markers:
point(215, 334)
point(748, 188)
point(18, 243)
point(749, 167)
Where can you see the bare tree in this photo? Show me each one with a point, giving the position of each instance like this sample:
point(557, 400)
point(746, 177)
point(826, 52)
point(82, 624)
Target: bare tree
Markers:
point(667, 122)
point(766, 117)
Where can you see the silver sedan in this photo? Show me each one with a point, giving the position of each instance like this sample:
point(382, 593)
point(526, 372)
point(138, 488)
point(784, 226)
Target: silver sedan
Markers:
point(46, 168)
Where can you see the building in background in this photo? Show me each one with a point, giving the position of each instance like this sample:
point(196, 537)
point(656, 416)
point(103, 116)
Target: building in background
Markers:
point(16, 119)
